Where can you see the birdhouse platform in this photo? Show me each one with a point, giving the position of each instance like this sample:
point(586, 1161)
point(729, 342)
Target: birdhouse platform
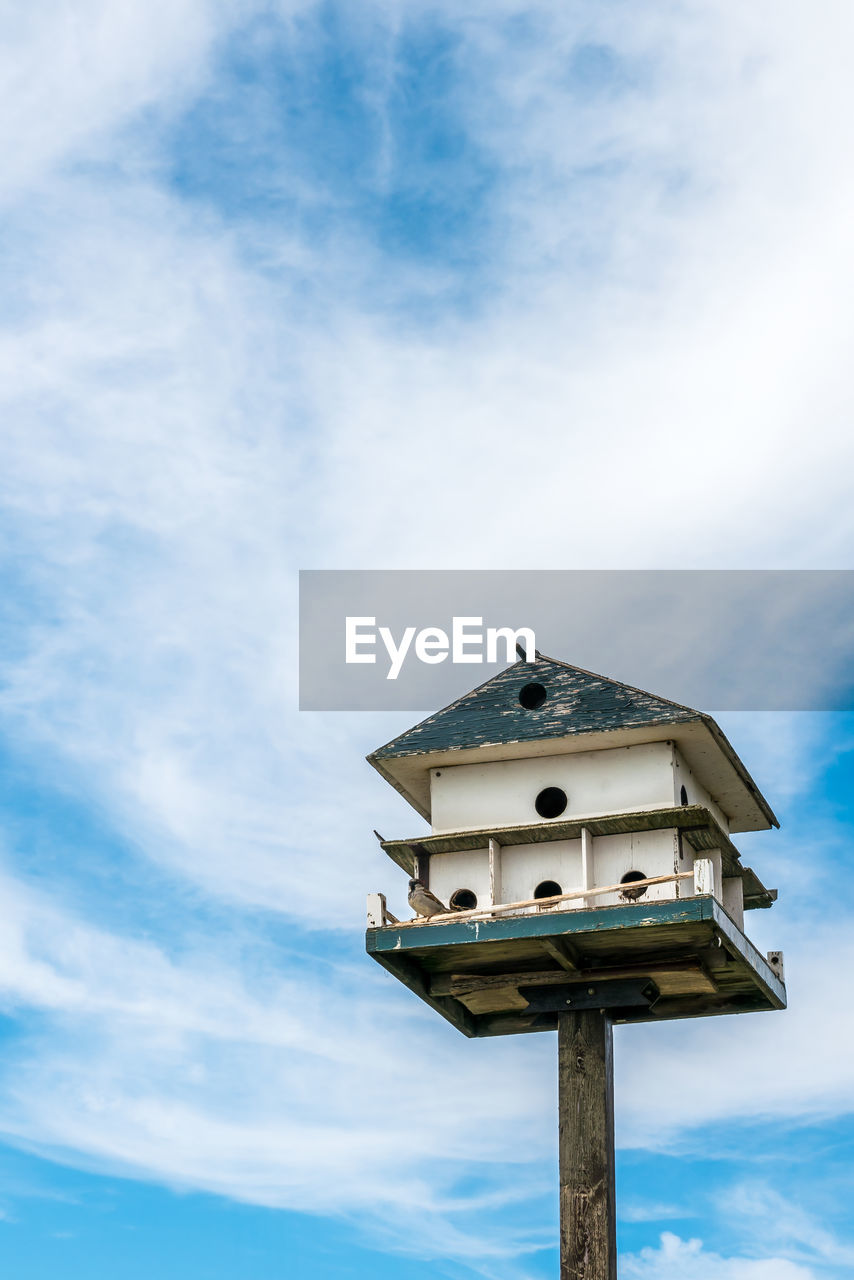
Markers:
point(643, 961)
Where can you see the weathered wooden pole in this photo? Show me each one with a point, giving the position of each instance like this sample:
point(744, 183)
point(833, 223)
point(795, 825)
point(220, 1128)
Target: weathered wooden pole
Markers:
point(588, 1244)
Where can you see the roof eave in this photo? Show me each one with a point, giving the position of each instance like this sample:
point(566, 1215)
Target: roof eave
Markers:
point(740, 768)
point(408, 796)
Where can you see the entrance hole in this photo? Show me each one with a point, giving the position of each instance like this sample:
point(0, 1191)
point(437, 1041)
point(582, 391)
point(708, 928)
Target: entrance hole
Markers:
point(551, 802)
point(463, 900)
point(629, 878)
point(532, 696)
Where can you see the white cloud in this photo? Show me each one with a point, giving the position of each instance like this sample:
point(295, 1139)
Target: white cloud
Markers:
point(789, 752)
point(677, 1259)
point(797, 1233)
point(73, 75)
point(246, 1076)
point(642, 1211)
point(672, 1081)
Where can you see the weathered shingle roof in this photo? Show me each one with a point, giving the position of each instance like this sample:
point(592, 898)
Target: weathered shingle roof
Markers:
point(577, 701)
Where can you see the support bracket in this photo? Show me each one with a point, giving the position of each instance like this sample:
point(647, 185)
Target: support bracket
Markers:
point(620, 993)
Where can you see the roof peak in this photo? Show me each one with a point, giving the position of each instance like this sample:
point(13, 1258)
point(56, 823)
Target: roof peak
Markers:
point(559, 662)
point(574, 701)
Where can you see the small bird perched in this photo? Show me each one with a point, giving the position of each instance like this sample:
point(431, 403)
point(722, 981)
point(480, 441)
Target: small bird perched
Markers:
point(423, 902)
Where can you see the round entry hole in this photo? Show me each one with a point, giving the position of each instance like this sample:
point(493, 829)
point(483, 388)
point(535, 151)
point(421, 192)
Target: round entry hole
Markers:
point(629, 878)
point(532, 696)
point(551, 802)
point(463, 900)
point(547, 889)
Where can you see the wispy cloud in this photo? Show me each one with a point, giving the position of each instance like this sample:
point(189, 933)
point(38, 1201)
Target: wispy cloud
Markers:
point(656, 1107)
point(640, 1211)
point(279, 1085)
point(798, 1233)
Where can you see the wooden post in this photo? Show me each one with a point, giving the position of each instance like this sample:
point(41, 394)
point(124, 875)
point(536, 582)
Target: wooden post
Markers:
point(588, 1244)
point(704, 876)
point(422, 868)
point(376, 910)
point(494, 872)
point(587, 869)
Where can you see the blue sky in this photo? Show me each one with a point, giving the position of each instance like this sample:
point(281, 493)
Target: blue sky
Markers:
point(397, 285)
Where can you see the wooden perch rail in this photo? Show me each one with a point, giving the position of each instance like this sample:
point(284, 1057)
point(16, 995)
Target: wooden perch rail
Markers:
point(702, 875)
point(575, 895)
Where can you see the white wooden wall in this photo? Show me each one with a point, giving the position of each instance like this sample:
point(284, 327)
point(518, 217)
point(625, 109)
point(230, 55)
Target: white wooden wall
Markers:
point(520, 868)
point(503, 792)
point(697, 794)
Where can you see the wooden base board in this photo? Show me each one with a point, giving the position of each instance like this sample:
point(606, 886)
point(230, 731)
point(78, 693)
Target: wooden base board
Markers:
point(471, 971)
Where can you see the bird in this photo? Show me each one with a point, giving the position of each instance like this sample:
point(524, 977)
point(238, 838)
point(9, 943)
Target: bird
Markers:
point(423, 902)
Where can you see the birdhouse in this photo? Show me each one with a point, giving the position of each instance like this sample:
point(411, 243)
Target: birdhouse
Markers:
point(580, 855)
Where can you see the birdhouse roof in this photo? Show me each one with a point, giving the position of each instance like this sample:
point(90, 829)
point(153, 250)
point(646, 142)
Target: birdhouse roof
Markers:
point(581, 711)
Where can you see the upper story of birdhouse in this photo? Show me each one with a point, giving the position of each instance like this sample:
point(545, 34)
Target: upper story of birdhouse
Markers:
point(545, 741)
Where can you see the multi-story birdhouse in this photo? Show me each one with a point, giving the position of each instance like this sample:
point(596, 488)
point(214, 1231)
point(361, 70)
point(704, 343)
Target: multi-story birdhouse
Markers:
point(581, 852)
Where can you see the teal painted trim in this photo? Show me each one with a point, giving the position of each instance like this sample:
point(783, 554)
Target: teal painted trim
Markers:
point(739, 943)
point(544, 925)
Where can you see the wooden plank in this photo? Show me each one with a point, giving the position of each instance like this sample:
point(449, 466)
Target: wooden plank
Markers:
point(600, 950)
point(689, 818)
point(700, 1007)
point(704, 876)
point(635, 917)
point(664, 1010)
point(457, 984)
point(512, 1024)
point(422, 867)
point(741, 946)
point(755, 893)
point(494, 1000)
point(588, 1245)
point(376, 910)
point(672, 978)
point(494, 871)
point(587, 867)
point(562, 952)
